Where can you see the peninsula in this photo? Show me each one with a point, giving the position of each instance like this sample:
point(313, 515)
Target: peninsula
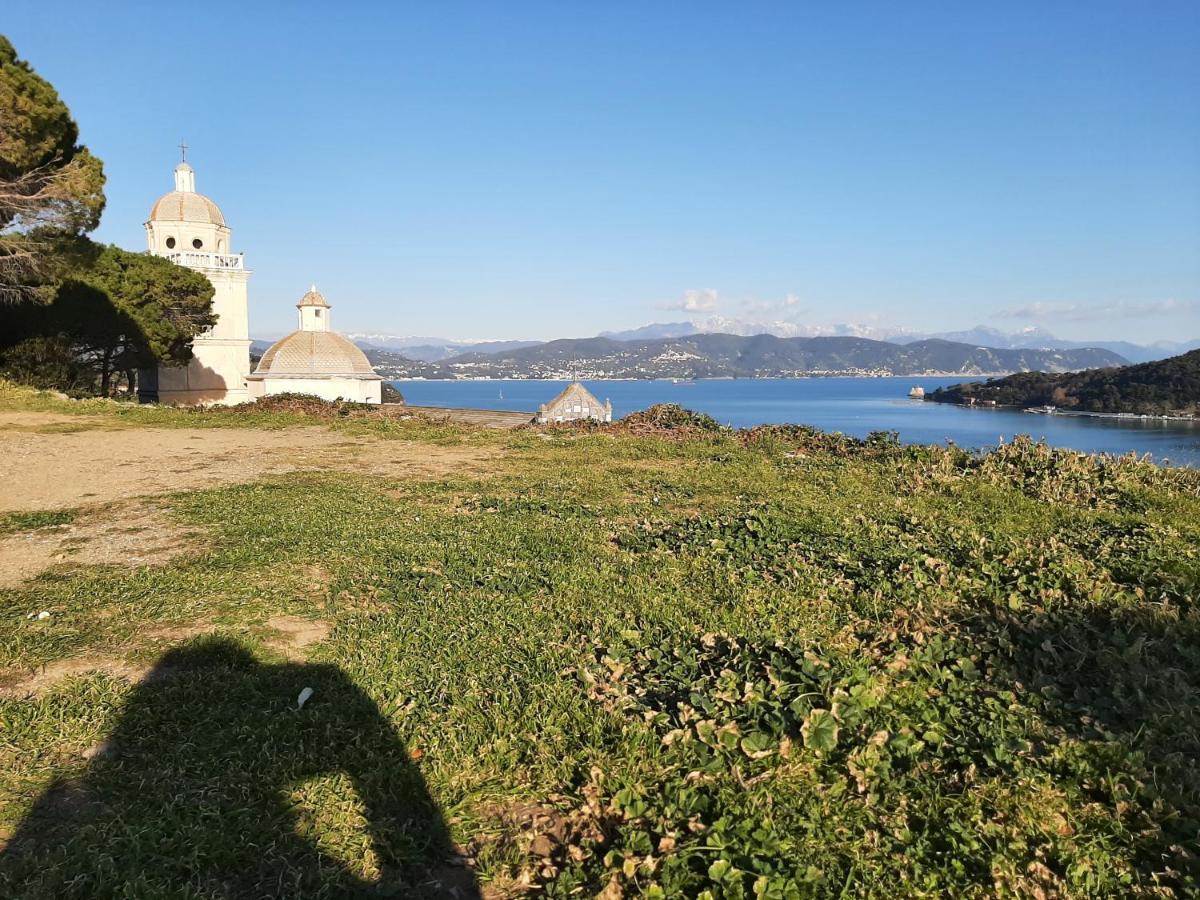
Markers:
point(1166, 387)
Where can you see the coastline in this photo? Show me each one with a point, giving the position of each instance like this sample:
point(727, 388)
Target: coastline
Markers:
point(684, 380)
point(1069, 413)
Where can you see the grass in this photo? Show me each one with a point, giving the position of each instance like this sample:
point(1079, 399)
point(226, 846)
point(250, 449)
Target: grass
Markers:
point(32, 521)
point(778, 665)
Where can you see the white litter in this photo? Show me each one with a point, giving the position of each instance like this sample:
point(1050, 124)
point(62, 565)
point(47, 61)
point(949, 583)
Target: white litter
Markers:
point(44, 614)
point(303, 698)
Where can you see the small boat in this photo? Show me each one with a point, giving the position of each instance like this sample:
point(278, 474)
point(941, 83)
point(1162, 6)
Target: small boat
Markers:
point(917, 393)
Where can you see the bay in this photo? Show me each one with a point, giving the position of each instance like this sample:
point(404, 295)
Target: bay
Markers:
point(854, 406)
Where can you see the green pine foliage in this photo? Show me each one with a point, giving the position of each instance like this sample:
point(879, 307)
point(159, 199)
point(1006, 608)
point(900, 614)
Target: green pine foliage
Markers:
point(123, 312)
point(51, 187)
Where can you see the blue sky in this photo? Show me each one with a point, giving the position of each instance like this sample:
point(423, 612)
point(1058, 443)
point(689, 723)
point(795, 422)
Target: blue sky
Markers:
point(508, 170)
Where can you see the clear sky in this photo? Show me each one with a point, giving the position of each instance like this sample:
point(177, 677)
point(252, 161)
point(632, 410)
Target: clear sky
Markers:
point(509, 170)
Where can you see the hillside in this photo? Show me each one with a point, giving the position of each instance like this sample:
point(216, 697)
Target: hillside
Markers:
point(1164, 387)
point(338, 654)
point(729, 356)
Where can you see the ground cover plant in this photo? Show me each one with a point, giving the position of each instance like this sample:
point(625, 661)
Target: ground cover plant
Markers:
point(624, 663)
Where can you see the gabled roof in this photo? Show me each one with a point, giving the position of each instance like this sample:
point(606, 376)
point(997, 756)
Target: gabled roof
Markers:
point(575, 390)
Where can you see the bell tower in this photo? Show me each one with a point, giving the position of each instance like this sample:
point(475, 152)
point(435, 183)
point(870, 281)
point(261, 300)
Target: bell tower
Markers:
point(188, 228)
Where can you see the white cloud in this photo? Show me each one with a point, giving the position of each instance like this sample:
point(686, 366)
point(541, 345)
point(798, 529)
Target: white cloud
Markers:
point(1082, 312)
point(695, 300)
point(771, 309)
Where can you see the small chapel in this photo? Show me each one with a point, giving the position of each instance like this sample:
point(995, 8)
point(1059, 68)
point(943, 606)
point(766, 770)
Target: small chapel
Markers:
point(573, 403)
point(189, 229)
point(316, 360)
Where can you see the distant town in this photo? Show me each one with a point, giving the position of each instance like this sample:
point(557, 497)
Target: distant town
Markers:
point(734, 356)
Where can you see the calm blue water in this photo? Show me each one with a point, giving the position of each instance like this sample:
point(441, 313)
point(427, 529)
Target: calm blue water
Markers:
point(854, 406)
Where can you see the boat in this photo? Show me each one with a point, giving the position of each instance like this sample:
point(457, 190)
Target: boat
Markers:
point(917, 393)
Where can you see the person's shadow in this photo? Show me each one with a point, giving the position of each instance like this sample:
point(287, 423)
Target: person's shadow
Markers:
point(214, 784)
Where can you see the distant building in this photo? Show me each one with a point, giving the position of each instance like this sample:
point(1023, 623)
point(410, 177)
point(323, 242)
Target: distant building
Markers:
point(574, 403)
point(316, 360)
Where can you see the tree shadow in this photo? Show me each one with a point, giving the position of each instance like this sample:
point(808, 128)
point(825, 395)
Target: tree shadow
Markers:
point(1118, 688)
point(214, 784)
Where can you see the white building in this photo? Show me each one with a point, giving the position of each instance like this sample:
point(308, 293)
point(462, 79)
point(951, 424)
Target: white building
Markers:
point(316, 360)
point(188, 229)
point(574, 402)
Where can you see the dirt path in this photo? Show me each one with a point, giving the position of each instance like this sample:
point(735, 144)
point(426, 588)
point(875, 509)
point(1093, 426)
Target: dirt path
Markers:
point(50, 461)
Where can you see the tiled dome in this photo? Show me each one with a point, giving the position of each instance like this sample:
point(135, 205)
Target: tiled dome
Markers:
point(314, 353)
point(313, 298)
point(186, 206)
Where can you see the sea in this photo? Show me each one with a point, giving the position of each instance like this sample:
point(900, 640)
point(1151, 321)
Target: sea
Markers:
point(854, 406)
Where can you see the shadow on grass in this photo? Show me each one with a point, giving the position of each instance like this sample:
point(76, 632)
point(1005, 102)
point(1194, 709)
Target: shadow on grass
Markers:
point(214, 784)
point(1119, 691)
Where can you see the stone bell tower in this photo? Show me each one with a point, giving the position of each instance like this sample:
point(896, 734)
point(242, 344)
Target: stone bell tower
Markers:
point(188, 229)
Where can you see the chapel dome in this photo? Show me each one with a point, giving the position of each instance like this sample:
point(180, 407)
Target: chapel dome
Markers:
point(186, 206)
point(314, 353)
point(183, 204)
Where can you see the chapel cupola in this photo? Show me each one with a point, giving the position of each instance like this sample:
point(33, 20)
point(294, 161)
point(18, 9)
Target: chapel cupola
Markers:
point(184, 221)
point(185, 178)
point(314, 311)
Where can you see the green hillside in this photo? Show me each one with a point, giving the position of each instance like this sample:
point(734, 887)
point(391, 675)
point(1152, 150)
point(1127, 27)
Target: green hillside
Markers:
point(642, 660)
point(1164, 387)
point(735, 356)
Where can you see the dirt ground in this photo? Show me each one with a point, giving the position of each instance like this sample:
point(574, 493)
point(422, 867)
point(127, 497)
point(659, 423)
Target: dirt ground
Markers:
point(138, 535)
point(290, 635)
point(51, 461)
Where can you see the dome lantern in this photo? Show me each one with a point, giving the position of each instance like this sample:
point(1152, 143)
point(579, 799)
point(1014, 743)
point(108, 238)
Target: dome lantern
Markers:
point(314, 311)
point(185, 179)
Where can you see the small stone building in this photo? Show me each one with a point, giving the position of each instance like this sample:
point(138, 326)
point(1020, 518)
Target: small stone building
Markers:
point(574, 403)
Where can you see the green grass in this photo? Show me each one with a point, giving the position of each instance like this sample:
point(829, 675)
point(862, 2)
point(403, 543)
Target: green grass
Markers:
point(784, 667)
point(32, 521)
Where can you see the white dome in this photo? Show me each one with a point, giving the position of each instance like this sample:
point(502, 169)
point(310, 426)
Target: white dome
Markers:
point(314, 353)
point(183, 204)
point(186, 206)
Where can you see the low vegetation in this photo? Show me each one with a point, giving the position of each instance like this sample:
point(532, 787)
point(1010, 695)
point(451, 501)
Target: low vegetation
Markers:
point(1164, 387)
point(666, 661)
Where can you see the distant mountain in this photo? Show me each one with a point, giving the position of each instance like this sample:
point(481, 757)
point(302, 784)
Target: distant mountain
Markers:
point(980, 336)
point(1036, 338)
point(391, 364)
point(727, 356)
point(1164, 387)
point(1028, 338)
point(653, 331)
point(431, 349)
